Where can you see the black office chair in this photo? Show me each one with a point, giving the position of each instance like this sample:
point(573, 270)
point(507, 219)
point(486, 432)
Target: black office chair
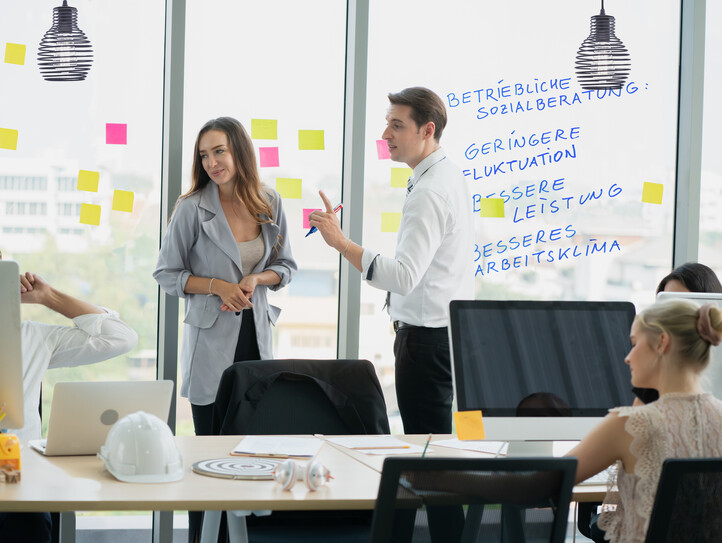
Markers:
point(330, 397)
point(509, 500)
point(688, 504)
point(300, 397)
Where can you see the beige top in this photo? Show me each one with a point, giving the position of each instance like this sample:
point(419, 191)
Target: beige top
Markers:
point(251, 253)
point(675, 426)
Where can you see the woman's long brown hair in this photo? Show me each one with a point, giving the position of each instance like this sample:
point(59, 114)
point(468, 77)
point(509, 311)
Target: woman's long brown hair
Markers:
point(247, 184)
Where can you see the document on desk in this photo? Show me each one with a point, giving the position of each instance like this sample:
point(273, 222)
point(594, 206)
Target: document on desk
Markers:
point(493, 448)
point(373, 444)
point(278, 446)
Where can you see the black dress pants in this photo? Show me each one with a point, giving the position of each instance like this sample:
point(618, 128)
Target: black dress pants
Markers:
point(423, 379)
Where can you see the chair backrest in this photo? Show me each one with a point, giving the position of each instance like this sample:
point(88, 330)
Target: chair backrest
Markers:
point(508, 499)
point(300, 397)
point(688, 505)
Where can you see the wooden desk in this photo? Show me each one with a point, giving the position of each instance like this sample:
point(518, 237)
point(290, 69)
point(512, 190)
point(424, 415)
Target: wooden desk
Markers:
point(78, 483)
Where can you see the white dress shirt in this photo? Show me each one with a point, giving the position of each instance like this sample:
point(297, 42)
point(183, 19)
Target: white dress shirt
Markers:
point(434, 252)
point(95, 337)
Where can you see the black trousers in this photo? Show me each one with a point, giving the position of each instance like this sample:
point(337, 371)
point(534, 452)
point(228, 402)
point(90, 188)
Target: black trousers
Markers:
point(246, 349)
point(423, 379)
point(25, 527)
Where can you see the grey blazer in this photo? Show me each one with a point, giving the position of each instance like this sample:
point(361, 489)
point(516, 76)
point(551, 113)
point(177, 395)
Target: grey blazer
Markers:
point(199, 242)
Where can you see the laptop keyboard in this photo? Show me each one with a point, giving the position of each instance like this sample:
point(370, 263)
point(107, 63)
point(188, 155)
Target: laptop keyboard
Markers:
point(601, 478)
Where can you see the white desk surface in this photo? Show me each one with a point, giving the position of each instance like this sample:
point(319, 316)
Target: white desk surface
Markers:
point(79, 483)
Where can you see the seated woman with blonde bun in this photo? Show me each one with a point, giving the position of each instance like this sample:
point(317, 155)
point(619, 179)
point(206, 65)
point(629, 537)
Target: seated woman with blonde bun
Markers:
point(689, 277)
point(670, 347)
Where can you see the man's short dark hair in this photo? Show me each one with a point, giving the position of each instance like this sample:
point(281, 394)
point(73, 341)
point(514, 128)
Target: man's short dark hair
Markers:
point(425, 106)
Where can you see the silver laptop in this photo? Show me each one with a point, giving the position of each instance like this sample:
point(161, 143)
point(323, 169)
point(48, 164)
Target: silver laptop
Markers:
point(82, 413)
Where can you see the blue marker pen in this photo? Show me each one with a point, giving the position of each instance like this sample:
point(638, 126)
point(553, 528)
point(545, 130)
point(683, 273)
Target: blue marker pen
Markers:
point(314, 229)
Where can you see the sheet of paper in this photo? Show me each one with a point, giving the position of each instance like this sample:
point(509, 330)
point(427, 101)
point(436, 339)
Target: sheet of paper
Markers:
point(382, 149)
point(652, 193)
point(278, 446)
point(400, 177)
point(495, 448)
point(8, 139)
point(492, 207)
point(310, 140)
point(413, 449)
point(268, 157)
point(88, 180)
point(306, 213)
point(15, 53)
point(390, 221)
point(90, 214)
point(123, 200)
point(116, 134)
point(369, 442)
point(264, 129)
point(289, 188)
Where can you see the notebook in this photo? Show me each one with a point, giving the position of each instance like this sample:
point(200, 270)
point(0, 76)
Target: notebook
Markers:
point(82, 413)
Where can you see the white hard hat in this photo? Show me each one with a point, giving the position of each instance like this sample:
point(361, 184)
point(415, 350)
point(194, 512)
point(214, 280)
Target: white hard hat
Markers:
point(140, 448)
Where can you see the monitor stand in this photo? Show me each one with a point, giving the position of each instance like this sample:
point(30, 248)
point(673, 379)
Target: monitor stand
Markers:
point(530, 448)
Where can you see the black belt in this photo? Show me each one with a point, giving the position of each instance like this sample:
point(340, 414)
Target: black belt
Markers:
point(399, 325)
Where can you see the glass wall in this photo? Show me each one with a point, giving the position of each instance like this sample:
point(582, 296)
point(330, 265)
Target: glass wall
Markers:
point(63, 132)
point(585, 178)
point(278, 67)
point(107, 131)
point(710, 210)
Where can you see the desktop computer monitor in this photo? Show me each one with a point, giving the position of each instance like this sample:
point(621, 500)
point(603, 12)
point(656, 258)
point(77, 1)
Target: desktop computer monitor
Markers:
point(558, 365)
point(712, 375)
point(11, 365)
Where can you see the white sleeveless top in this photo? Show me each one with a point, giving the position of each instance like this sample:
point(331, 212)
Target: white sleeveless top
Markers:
point(251, 253)
point(675, 426)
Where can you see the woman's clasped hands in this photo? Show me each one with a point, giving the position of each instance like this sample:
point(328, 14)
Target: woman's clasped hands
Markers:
point(236, 296)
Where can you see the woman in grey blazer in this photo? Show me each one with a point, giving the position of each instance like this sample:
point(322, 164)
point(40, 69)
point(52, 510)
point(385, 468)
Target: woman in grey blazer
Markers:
point(226, 244)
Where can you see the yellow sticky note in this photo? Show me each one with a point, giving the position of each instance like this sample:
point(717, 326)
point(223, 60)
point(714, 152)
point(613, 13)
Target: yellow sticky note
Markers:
point(264, 129)
point(90, 214)
point(310, 140)
point(400, 177)
point(8, 139)
point(88, 180)
point(288, 188)
point(469, 425)
point(15, 53)
point(123, 200)
point(652, 193)
point(390, 221)
point(491, 207)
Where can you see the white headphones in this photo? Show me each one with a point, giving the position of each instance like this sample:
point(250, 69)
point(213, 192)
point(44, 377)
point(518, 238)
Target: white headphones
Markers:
point(315, 475)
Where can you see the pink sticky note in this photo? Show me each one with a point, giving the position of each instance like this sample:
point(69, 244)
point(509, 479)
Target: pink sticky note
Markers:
point(306, 213)
point(116, 133)
point(269, 157)
point(383, 149)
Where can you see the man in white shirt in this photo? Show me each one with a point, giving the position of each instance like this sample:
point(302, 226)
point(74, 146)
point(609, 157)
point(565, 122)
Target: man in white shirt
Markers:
point(433, 261)
point(98, 335)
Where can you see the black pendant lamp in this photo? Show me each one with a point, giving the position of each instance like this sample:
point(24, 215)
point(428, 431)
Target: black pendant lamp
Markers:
point(602, 60)
point(65, 53)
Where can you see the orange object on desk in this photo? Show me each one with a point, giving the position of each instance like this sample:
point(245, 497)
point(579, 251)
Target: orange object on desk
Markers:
point(9, 451)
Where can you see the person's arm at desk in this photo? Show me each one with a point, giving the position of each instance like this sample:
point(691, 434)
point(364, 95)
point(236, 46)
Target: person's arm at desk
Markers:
point(604, 445)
